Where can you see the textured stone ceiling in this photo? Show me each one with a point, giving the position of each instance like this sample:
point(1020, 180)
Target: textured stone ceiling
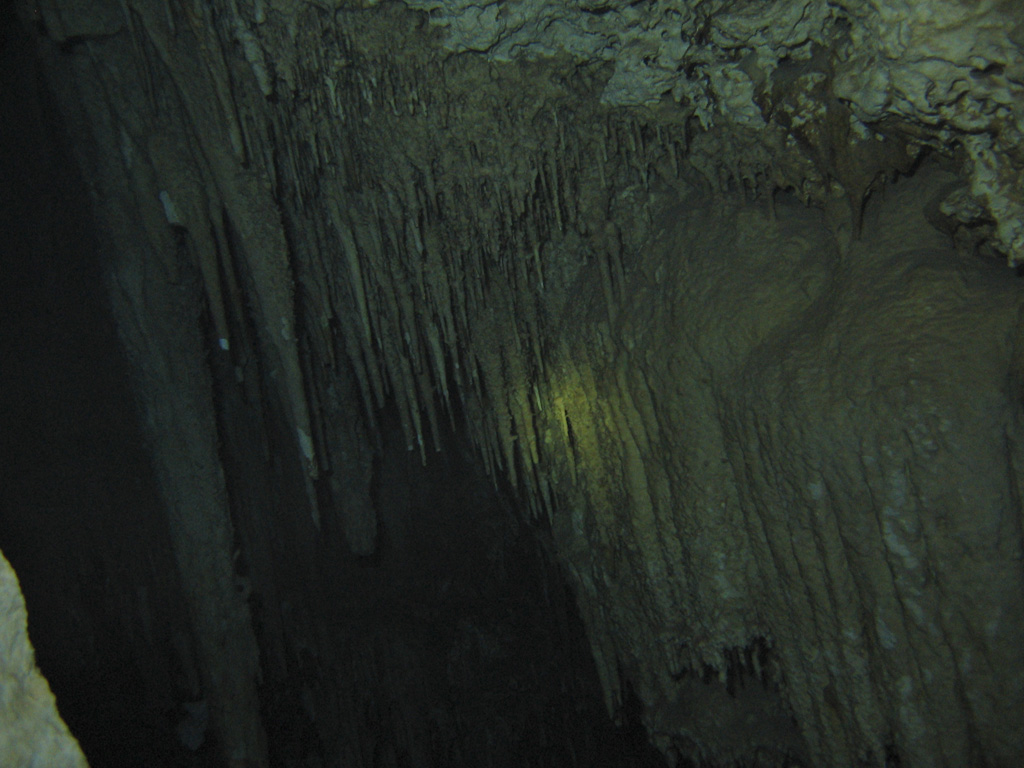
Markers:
point(799, 93)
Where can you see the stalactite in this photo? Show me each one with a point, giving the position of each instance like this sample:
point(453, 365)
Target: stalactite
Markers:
point(351, 253)
point(234, 300)
point(187, 204)
point(562, 414)
point(265, 254)
point(217, 70)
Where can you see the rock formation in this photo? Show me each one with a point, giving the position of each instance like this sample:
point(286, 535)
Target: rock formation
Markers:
point(722, 294)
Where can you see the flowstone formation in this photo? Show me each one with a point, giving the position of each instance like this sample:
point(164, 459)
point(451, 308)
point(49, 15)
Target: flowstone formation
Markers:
point(720, 290)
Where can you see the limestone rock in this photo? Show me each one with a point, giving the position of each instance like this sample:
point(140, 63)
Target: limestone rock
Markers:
point(31, 730)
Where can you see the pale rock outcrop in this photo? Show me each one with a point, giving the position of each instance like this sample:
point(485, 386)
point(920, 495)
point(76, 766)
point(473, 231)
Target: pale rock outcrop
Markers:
point(32, 733)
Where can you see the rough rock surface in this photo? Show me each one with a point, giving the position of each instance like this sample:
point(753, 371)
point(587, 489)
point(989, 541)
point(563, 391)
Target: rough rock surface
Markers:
point(779, 79)
point(767, 399)
point(31, 731)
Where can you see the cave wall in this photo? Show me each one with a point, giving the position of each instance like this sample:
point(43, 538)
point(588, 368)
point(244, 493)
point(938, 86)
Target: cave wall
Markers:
point(453, 642)
point(80, 518)
point(656, 259)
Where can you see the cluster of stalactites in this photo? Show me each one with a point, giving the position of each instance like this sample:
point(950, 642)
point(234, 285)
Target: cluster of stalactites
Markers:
point(443, 270)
